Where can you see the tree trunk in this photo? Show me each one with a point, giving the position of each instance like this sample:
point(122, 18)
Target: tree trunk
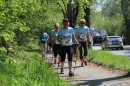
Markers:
point(125, 6)
point(87, 17)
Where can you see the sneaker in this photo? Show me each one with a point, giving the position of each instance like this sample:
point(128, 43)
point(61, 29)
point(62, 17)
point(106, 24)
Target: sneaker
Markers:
point(82, 64)
point(71, 73)
point(58, 65)
point(62, 71)
point(85, 62)
point(74, 59)
point(54, 61)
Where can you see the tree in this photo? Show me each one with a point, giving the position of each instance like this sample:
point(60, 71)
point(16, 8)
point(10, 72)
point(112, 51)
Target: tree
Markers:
point(112, 17)
point(125, 5)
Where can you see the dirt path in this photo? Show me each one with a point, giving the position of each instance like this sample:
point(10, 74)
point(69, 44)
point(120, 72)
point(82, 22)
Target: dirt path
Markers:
point(92, 75)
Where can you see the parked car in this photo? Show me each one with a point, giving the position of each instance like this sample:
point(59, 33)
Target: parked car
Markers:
point(97, 38)
point(112, 42)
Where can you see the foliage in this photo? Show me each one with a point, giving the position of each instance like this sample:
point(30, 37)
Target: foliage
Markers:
point(125, 5)
point(27, 69)
point(109, 18)
point(21, 21)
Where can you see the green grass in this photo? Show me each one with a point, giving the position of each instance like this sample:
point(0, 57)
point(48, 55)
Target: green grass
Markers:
point(105, 58)
point(26, 68)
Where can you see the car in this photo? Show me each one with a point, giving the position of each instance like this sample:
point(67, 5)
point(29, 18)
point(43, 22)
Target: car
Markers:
point(97, 38)
point(112, 42)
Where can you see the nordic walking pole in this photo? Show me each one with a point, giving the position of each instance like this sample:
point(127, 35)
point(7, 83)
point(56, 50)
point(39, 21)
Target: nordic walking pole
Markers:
point(76, 58)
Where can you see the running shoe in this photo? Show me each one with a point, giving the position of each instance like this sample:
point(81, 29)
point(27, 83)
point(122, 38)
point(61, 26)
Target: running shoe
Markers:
point(82, 64)
point(71, 73)
point(58, 64)
point(62, 71)
point(74, 59)
point(85, 62)
point(55, 61)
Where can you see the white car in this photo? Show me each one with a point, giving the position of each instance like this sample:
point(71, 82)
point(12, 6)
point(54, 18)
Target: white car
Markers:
point(112, 42)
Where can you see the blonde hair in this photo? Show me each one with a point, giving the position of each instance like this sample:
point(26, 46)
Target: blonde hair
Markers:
point(83, 20)
point(56, 24)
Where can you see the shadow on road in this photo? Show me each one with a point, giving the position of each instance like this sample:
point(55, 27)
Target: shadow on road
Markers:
point(98, 82)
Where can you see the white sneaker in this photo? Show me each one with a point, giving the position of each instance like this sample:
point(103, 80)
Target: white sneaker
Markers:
point(74, 59)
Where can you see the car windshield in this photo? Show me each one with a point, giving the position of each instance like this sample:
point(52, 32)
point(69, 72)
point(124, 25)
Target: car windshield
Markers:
point(114, 38)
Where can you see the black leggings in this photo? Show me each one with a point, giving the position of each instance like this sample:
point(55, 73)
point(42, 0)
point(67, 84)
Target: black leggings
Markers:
point(68, 50)
point(56, 49)
point(84, 45)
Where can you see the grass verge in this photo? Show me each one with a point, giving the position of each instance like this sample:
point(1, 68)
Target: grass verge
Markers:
point(108, 59)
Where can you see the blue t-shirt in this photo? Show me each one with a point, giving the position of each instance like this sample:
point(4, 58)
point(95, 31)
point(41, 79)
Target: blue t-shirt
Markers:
point(54, 35)
point(43, 37)
point(66, 36)
point(82, 32)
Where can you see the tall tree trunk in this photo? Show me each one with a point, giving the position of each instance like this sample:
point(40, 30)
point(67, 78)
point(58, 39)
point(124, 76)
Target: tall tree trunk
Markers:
point(87, 17)
point(125, 6)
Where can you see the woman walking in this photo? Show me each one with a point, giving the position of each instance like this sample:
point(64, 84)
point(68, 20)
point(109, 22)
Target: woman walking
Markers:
point(65, 37)
point(43, 42)
point(83, 36)
point(55, 43)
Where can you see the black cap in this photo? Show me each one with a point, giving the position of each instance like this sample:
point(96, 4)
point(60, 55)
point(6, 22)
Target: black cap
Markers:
point(65, 19)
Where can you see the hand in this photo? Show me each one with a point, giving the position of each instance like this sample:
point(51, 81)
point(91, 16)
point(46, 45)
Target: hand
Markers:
point(52, 43)
point(79, 45)
point(61, 41)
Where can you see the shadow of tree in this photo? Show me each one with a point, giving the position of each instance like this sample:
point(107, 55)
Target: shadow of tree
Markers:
point(98, 82)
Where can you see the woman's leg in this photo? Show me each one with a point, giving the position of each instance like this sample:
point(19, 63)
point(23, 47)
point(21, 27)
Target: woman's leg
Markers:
point(55, 52)
point(44, 49)
point(85, 47)
point(59, 52)
point(63, 55)
point(70, 52)
point(81, 53)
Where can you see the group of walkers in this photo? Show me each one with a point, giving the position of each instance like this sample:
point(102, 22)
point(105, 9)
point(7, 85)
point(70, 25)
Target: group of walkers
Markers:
point(65, 41)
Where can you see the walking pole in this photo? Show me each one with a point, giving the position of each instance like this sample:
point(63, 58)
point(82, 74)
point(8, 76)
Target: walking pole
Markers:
point(52, 53)
point(75, 57)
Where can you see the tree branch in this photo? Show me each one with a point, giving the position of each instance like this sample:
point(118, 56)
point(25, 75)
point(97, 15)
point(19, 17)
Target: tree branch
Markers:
point(64, 6)
point(62, 9)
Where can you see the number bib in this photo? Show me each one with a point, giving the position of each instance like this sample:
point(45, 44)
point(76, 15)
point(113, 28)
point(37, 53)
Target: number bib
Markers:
point(57, 42)
point(83, 36)
point(66, 42)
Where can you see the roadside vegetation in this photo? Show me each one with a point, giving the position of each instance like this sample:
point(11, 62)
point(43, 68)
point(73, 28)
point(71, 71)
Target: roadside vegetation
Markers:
point(26, 68)
point(107, 59)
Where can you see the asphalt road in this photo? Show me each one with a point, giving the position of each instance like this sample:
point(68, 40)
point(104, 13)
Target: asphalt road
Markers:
point(124, 52)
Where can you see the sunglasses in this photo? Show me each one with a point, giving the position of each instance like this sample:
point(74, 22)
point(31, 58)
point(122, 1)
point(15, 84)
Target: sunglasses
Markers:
point(82, 23)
